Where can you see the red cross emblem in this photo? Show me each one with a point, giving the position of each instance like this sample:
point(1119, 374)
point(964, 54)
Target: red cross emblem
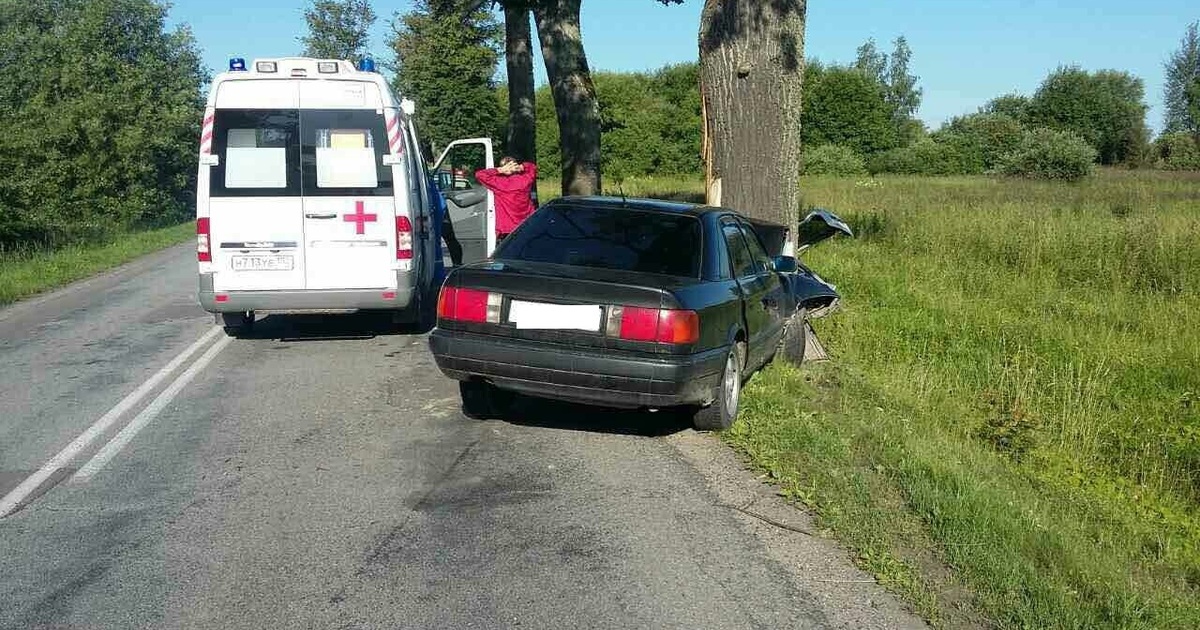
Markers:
point(359, 218)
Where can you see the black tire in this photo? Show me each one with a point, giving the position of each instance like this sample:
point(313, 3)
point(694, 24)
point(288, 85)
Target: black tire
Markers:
point(721, 414)
point(483, 401)
point(791, 345)
point(237, 324)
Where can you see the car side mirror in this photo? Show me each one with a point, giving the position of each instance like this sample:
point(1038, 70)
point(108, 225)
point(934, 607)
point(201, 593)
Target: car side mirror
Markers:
point(783, 264)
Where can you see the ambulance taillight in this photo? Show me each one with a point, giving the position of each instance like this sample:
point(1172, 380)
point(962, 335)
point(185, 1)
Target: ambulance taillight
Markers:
point(404, 238)
point(203, 240)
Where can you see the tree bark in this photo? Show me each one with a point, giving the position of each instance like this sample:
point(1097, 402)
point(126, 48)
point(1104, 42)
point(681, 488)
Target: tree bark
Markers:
point(521, 142)
point(751, 70)
point(575, 103)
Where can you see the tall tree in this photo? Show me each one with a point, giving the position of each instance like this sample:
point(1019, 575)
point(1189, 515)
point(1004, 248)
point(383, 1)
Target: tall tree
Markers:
point(521, 138)
point(902, 90)
point(1182, 79)
point(575, 103)
point(1106, 108)
point(445, 59)
point(338, 29)
point(899, 84)
point(751, 71)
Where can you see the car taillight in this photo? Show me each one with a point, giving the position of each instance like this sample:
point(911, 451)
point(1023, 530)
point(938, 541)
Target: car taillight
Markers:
point(203, 240)
point(404, 238)
point(654, 324)
point(469, 305)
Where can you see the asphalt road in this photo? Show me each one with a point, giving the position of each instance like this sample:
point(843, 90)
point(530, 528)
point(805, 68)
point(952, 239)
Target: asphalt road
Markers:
point(320, 475)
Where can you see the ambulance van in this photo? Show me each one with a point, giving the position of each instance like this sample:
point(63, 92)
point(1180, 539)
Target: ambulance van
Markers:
point(313, 196)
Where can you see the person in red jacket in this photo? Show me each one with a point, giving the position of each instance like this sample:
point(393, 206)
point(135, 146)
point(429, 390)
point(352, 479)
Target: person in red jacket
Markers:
point(512, 185)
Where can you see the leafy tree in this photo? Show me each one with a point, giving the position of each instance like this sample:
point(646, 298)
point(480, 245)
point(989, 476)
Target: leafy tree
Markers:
point(663, 105)
point(1106, 108)
point(1181, 91)
point(902, 91)
point(338, 29)
point(1178, 151)
point(848, 107)
point(1015, 106)
point(445, 61)
point(101, 122)
point(892, 72)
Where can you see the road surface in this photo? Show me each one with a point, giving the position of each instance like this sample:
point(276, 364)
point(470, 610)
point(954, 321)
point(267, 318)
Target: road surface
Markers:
point(157, 474)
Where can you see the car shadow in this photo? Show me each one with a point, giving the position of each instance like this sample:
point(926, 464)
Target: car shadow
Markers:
point(330, 327)
point(528, 411)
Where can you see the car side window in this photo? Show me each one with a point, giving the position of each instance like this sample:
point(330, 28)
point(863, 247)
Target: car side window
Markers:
point(757, 251)
point(741, 262)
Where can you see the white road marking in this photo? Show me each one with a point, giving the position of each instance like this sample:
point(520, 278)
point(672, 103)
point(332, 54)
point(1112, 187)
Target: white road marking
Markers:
point(13, 500)
point(148, 414)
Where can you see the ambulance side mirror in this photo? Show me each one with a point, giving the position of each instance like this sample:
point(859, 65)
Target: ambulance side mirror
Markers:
point(391, 159)
point(210, 160)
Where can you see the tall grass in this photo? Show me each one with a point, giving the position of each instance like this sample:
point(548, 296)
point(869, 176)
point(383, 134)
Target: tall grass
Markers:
point(1015, 385)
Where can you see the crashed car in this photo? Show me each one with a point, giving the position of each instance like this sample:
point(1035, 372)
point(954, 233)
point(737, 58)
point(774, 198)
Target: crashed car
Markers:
point(629, 303)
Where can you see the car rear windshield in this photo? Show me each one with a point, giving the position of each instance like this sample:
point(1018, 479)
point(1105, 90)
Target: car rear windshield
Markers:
point(286, 153)
point(608, 238)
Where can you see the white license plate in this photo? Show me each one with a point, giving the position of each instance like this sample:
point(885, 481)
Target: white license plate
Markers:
point(538, 315)
point(263, 263)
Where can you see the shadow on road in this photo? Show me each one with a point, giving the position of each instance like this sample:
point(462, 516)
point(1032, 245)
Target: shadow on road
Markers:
point(550, 414)
point(331, 327)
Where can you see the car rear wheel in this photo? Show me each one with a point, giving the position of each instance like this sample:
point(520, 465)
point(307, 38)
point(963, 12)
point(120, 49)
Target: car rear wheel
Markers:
point(237, 324)
point(791, 345)
point(723, 411)
point(482, 400)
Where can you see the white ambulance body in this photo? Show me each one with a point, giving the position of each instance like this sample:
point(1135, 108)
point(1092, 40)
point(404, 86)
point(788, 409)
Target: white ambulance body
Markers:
point(313, 196)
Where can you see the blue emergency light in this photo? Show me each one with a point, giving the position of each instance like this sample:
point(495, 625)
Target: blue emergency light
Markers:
point(237, 64)
point(366, 65)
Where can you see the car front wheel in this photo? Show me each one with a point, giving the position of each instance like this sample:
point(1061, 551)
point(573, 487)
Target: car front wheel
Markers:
point(791, 345)
point(723, 411)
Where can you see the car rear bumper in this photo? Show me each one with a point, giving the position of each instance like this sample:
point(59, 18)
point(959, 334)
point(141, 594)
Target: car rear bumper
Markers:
point(292, 301)
point(551, 371)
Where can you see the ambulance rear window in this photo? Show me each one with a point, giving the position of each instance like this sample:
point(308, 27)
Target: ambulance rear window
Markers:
point(342, 153)
point(259, 153)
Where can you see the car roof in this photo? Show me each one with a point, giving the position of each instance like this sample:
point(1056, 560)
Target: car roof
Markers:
point(658, 205)
point(637, 203)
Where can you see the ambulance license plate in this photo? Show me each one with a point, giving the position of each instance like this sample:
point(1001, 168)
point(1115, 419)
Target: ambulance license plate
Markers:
point(263, 263)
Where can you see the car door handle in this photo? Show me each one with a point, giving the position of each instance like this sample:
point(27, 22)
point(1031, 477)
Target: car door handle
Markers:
point(321, 216)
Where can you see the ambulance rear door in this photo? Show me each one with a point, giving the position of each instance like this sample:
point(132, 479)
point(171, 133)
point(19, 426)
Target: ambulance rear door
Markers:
point(255, 209)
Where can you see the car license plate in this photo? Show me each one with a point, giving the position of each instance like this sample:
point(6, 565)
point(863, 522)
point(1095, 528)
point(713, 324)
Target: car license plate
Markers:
point(263, 263)
point(538, 315)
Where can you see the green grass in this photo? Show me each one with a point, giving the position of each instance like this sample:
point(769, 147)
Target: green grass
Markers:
point(1009, 432)
point(28, 273)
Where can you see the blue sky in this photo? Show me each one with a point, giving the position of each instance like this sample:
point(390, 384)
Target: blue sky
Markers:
point(965, 52)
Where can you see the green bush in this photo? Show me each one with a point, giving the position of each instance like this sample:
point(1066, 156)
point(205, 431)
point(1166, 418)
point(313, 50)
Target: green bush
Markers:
point(927, 157)
point(833, 159)
point(985, 137)
point(1177, 152)
point(1050, 154)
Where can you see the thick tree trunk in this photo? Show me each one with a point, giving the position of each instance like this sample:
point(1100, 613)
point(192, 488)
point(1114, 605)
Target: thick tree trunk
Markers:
point(521, 142)
point(751, 68)
point(575, 102)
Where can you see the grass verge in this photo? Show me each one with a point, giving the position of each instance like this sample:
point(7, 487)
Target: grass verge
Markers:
point(26, 274)
point(1009, 433)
